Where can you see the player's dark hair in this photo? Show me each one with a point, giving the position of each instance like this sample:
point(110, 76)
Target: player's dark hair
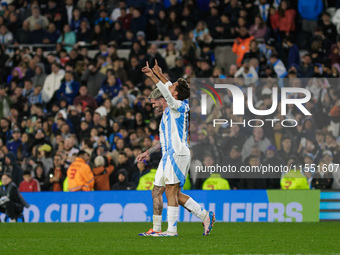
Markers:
point(182, 89)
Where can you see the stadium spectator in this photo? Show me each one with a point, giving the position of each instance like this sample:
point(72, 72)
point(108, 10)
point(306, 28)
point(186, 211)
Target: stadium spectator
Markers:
point(29, 184)
point(327, 158)
point(139, 21)
point(283, 20)
point(328, 28)
point(203, 173)
point(170, 55)
point(309, 11)
point(153, 55)
point(6, 36)
point(109, 89)
point(69, 88)
point(253, 180)
point(122, 183)
point(37, 79)
point(147, 180)
point(294, 179)
point(76, 20)
point(124, 19)
point(117, 12)
point(43, 156)
point(4, 105)
point(56, 175)
point(12, 202)
point(93, 79)
point(84, 32)
point(14, 144)
point(234, 159)
point(39, 175)
point(336, 20)
point(36, 97)
point(177, 71)
point(37, 18)
point(286, 148)
point(278, 66)
point(84, 99)
point(215, 182)
point(38, 35)
point(68, 11)
point(322, 179)
point(52, 82)
point(205, 146)
point(142, 169)
point(69, 149)
point(11, 167)
point(103, 169)
point(257, 138)
point(79, 174)
point(241, 45)
point(306, 66)
point(88, 11)
point(67, 38)
point(52, 9)
point(104, 22)
point(293, 52)
point(272, 159)
point(259, 29)
point(247, 72)
point(23, 34)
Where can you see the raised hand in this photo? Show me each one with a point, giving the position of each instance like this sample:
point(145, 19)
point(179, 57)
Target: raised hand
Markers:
point(141, 157)
point(147, 70)
point(157, 69)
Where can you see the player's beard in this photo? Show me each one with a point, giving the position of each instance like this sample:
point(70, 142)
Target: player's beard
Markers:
point(159, 109)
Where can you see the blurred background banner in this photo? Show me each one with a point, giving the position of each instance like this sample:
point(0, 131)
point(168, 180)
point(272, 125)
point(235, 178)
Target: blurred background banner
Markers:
point(136, 206)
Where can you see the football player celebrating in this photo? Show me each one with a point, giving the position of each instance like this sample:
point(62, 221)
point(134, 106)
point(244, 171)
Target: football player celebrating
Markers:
point(174, 165)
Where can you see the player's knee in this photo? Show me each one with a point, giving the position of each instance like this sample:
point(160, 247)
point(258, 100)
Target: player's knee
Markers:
point(171, 190)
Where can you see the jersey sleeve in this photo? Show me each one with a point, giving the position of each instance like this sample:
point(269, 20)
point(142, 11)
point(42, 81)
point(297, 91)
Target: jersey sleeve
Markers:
point(172, 102)
point(167, 84)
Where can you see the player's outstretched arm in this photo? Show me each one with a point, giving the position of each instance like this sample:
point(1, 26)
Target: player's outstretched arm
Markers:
point(172, 102)
point(156, 147)
point(158, 71)
point(141, 157)
point(148, 72)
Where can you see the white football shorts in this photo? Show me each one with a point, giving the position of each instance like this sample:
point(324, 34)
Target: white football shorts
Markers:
point(172, 169)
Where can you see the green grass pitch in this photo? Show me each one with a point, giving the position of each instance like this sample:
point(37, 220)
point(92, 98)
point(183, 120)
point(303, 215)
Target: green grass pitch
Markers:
point(122, 238)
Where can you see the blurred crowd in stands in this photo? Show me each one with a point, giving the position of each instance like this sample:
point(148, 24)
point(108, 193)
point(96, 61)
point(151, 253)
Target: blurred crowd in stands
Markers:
point(58, 100)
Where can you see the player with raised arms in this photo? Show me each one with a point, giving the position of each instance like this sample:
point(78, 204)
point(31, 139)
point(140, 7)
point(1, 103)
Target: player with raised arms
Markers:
point(174, 165)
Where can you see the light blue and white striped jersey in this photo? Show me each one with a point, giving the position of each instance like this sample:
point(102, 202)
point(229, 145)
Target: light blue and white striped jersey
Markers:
point(173, 129)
